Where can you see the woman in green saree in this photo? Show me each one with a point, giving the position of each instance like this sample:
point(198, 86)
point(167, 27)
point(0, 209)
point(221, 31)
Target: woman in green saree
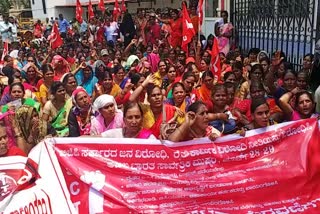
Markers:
point(56, 110)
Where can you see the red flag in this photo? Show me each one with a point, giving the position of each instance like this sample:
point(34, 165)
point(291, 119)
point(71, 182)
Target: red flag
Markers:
point(116, 10)
point(4, 52)
point(123, 6)
point(90, 11)
point(79, 12)
point(55, 38)
point(215, 60)
point(101, 6)
point(200, 11)
point(187, 28)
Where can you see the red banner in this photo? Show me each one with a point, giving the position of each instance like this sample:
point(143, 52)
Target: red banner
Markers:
point(272, 170)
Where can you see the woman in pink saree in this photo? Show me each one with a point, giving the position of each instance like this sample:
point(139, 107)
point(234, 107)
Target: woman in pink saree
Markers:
point(133, 119)
point(225, 33)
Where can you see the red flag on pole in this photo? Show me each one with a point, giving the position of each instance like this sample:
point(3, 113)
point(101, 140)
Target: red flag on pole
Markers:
point(200, 11)
point(101, 6)
point(55, 38)
point(116, 10)
point(123, 6)
point(79, 12)
point(4, 52)
point(90, 11)
point(187, 28)
point(215, 60)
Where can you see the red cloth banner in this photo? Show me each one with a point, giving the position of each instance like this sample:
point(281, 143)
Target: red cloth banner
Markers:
point(271, 170)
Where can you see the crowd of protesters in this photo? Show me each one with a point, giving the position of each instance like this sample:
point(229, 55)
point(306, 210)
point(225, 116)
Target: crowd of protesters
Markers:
point(129, 78)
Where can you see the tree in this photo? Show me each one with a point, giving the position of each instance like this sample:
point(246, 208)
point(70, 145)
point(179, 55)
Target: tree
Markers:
point(5, 5)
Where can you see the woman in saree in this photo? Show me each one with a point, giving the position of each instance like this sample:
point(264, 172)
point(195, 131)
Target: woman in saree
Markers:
point(16, 98)
point(80, 115)
point(69, 83)
point(206, 87)
point(260, 111)
point(133, 120)
point(225, 34)
point(56, 110)
point(196, 125)
point(179, 99)
point(48, 79)
point(10, 136)
point(86, 78)
point(109, 116)
point(176, 26)
point(33, 130)
point(60, 66)
point(33, 76)
point(106, 86)
point(153, 112)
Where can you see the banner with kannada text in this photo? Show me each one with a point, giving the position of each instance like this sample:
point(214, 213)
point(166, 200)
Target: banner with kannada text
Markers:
point(271, 170)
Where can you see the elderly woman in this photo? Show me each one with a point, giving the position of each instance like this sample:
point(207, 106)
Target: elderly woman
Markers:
point(133, 118)
point(109, 117)
point(33, 130)
point(196, 125)
point(79, 119)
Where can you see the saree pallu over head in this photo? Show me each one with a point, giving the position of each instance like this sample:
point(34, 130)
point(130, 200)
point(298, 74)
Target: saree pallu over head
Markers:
point(24, 121)
point(205, 93)
point(6, 121)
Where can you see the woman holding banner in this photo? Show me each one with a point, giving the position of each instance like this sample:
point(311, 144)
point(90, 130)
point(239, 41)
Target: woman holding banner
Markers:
point(196, 125)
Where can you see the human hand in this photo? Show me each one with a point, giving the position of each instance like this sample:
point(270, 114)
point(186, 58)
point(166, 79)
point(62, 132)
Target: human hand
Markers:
point(149, 80)
point(190, 118)
point(213, 136)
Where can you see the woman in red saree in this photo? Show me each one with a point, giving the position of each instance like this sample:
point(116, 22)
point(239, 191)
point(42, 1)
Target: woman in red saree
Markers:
point(176, 27)
point(153, 112)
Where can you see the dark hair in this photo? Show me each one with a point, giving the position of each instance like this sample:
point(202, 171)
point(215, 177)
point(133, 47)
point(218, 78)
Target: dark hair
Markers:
point(66, 78)
point(117, 68)
point(237, 65)
point(135, 78)
point(194, 107)
point(300, 93)
point(218, 87)
point(207, 74)
point(227, 75)
point(255, 67)
point(310, 55)
point(265, 59)
point(256, 84)
point(177, 84)
point(256, 103)
point(229, 85)
point(6, 58)
point(150, 89)
point(254, 51)
point(55, 86)
point(224, 11)
point(17, 84)
point(289, 71)
point(187, 74)
point(206, 60)
point(130, 105)
point(107, 74)
point(45, 68)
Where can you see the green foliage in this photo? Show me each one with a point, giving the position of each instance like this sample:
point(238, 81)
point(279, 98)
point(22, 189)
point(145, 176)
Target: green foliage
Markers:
point(5, 5)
